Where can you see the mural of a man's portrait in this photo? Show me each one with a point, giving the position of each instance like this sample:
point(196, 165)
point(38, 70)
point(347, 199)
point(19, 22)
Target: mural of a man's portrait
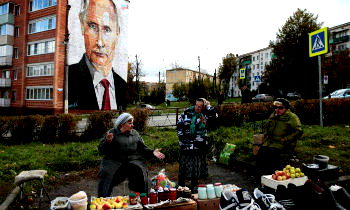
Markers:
point(97, 54)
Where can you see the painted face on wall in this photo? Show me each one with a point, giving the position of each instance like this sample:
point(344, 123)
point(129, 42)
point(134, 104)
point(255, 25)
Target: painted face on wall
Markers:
point(100, 33)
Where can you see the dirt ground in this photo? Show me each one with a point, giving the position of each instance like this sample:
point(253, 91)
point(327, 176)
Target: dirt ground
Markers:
point(68, 184)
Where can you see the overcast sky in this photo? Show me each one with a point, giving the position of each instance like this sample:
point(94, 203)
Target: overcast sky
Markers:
point(164, 33)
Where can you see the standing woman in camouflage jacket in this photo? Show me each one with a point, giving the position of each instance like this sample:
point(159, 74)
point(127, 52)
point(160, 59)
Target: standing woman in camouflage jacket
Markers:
point(192, 133)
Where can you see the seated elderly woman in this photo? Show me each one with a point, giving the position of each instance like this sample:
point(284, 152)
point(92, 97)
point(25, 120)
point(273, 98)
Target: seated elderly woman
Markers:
point(283, 129)
point(124, 151)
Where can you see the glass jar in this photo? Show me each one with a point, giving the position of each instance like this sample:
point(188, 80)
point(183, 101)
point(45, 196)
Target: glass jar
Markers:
point(153, 197)
point(218, 189)
point(132, 199)
point(202, 192)
point(172, 194)
point(210, 191)
point(144, 198)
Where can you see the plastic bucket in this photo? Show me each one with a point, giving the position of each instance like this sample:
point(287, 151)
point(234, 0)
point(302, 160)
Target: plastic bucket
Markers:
point(78, 204)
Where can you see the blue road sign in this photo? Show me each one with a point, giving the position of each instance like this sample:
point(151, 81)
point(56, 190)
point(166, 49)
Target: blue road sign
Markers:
point(318, 42)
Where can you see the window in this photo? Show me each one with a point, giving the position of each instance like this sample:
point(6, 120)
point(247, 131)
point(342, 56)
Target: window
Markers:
point(43, 47)
point(6, 8)
point(5, 74)
point(6, 29)
point(6, 50)
point(14, 95)
point(257, 66)
point(40, 69)
point(15, 75)
point(39, 93)
point(17, 10)
point(42, 24)
point(16, 31)
point(15, 53)
point(41, 4)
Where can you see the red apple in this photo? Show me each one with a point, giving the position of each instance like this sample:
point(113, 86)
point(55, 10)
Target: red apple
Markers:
point(274, 176)
point(106, 206)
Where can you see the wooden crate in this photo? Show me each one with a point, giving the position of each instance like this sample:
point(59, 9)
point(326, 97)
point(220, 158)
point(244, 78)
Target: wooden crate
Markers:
point(210, 204)
point(191, 205)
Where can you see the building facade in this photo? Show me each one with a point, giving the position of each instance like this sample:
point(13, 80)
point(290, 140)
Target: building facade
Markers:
point(339, 38)
point(254, 64)
point(183, 75)
point(32, 54)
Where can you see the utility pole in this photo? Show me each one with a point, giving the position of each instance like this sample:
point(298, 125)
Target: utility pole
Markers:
point(159, 78)
point(137, 80)
point(199, 67)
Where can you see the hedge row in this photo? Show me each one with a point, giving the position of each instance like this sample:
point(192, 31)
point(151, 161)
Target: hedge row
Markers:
point(61, 128)
point(335, 111)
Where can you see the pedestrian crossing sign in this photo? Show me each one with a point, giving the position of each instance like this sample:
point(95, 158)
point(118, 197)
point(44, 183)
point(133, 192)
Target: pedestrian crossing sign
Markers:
point(318, 42)
point(242, 73)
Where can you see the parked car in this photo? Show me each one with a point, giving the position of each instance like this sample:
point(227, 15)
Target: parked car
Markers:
point(171, 97)
point(262, 98)
point(146, 106)
point(293, 96)
point(341, 93)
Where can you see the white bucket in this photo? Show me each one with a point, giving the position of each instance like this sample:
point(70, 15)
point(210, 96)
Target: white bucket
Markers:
point(78, 204)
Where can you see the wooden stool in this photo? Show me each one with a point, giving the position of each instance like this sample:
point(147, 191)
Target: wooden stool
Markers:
point(32, 175)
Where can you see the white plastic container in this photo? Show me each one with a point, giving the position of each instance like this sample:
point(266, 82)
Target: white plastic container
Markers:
point(211, 191)
point(202, 192)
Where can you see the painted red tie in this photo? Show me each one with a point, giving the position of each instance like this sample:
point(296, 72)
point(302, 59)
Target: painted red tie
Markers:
point(106, 103)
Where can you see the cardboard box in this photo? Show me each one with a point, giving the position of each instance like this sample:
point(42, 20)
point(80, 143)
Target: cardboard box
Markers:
point(210, 204)
point(269, 182)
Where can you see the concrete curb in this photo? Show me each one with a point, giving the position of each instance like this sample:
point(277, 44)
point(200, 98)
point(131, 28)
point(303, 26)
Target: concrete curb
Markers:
point(10, 198)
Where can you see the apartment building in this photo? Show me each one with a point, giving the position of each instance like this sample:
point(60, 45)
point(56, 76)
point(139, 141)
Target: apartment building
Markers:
point(183, 75)
point(254, 63)
point(339, 38)
point(32, 54)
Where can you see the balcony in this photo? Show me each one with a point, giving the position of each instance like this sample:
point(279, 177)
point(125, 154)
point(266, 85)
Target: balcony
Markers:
point(6, 40)
point(339, 39)
point(5, 82)
point(7, 18)
point(5, 61)
point(5, 102)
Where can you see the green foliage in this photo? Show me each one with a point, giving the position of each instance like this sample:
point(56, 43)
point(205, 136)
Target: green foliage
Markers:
point(226, 69)
point(292, 59)
point(24, 129)
point(157, 95)
point(140, 118)
point(48, 132)
point(180, 90)
point(336, 67)
point(98, 123)
point(199, 89)
point(66, 127)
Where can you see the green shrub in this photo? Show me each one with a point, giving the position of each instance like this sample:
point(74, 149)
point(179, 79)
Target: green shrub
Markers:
point(48, 132)
point(25, 129)
point(140, 118)
point(98, 123)
point(4, 128)
point(67, 124)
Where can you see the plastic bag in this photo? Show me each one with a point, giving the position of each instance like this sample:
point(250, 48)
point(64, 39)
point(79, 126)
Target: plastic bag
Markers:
point(226, 153)
point(161, 180)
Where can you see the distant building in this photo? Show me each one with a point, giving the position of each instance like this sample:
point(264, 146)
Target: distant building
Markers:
point(254, 64)
point(182, 75)
point(339, 38)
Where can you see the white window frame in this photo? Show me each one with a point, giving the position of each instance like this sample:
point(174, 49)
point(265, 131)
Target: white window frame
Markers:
point(16, 31)
point(15, 72)
point(40, 8)
point(38, 49)
point(15, 53)
point(40, 72)
point(36, 23)
point(39, 93)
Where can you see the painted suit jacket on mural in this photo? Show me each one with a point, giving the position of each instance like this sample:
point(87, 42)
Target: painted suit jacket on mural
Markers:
point(81, 91)
point(192, 132)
